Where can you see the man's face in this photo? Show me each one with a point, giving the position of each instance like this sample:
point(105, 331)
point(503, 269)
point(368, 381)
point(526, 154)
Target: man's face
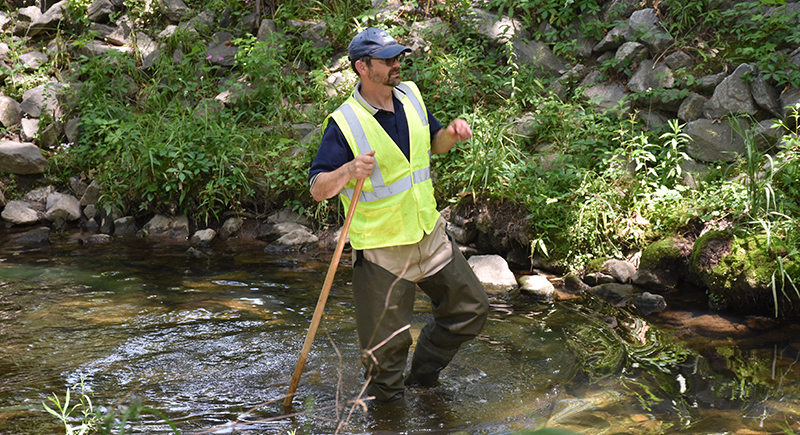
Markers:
point(385, 71)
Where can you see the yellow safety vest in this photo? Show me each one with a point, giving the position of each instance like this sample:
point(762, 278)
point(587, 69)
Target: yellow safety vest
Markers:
point(396, 206)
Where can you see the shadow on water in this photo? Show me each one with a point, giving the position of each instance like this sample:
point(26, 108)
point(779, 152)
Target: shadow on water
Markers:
point(211, 342)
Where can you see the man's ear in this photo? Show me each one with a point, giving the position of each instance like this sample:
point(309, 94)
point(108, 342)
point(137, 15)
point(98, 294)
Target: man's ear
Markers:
point(361, 66)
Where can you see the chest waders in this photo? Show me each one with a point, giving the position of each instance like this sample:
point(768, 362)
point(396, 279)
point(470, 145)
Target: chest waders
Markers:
point(384, 304)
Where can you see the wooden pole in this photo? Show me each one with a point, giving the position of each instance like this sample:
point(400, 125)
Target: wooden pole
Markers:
point(323, 297)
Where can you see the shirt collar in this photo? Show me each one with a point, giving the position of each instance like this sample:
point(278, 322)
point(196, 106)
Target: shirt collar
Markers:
point(398, 93)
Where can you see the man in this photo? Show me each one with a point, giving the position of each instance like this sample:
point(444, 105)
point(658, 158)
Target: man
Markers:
point(384, 134)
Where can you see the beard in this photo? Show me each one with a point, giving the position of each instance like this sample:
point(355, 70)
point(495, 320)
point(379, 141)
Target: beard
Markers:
point(389, 79)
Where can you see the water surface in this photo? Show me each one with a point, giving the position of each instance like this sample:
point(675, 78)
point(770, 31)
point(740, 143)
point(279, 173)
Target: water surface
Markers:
point(210, 341)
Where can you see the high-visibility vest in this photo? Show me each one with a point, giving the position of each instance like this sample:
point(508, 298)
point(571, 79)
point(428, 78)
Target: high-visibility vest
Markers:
point(396, 206)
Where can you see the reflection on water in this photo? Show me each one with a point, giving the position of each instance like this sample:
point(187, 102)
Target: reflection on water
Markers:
point(211, 343)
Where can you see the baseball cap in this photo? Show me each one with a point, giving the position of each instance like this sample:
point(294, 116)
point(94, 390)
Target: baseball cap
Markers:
point(376, 43)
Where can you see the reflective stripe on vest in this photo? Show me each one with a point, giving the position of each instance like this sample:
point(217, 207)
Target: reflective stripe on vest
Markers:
point(380, 189)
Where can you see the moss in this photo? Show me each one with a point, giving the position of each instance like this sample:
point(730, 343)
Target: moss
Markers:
point(662, 253)
point(596, 265)
point(739, 270)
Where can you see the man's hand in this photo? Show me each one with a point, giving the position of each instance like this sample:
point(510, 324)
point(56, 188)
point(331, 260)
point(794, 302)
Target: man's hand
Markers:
point(459, 129)
point(447, 137)
point(362, 165)
point(329, 184)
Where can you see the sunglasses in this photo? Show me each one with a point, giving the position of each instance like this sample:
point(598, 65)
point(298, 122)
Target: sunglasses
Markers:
point(390, 62)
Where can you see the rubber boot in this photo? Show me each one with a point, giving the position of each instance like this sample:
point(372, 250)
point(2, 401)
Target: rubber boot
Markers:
point(427, 362)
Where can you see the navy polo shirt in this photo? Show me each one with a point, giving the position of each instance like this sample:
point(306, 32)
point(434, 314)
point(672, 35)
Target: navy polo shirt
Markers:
point(335, 152)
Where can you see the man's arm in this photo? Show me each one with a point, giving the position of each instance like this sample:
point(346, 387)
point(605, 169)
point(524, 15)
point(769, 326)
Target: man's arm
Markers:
point(329, 184)
point(447, 137)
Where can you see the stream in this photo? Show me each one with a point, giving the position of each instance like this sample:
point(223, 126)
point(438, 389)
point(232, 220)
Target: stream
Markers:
point(209, 341)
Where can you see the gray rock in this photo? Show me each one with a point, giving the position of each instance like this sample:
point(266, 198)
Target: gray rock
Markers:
point(648, 303)
point(288, 215)
point(219, 53)
point(95, 239)
point(25, 17)
point(539, 55)
point(174, 10)
point(692, 108)
point(538, 286)
point(267, 27)
point(493, 272)
point(231, 227)
point(10, 111)
point(91, 212)
point(64, 207)
point(48, 22)
point(92, 194)
point(679, 60)
point(20, 213)
point(598, 278)
point(766, 96)
point(653, 119)
point(622, 271)
point(124, 226)
point(618, 295)
point(574, 285)
point(631, 52)
point(790, 102)
point(176, 227)
point(99, 10)
point(713, 141)
point(42, 99)
point(50, 137)
point(733, 95)
point(203, 237)
point(35, 238)
point(607, 97)
point(21, 158)
point(272, 232)
point(499, 29)
point(767, 133)
point(72, 130)
point(462, 235)
point(707, 84)
point(29, 129)
point(650, 76)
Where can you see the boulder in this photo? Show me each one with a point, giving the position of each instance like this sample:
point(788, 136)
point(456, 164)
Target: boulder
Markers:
point(203, 238)
point(733, 95)
point(175, 227)
point(20, 213)
point(10, 112)
point(622, 271)
point(648, 303)
point(21, 158)
point(537, 286)
point(539, 55)
point(498, 29)
point(664, 264)
point(124, 226)
point(713, 141)
point(738, 271)
point(34, 238)
point(230, 227)
point(493, 272)
point(650, 76)
point(62, 207)
point(608, 97)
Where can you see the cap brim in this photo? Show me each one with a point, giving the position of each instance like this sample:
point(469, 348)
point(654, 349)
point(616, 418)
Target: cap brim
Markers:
point(390, 52)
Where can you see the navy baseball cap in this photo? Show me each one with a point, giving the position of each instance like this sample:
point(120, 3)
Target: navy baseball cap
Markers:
point(376, 43)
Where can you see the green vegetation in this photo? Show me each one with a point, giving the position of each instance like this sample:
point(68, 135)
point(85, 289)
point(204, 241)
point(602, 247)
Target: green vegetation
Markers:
point(593, 184)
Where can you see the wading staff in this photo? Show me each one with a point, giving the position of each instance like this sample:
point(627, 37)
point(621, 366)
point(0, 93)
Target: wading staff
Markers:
point(323, 297)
